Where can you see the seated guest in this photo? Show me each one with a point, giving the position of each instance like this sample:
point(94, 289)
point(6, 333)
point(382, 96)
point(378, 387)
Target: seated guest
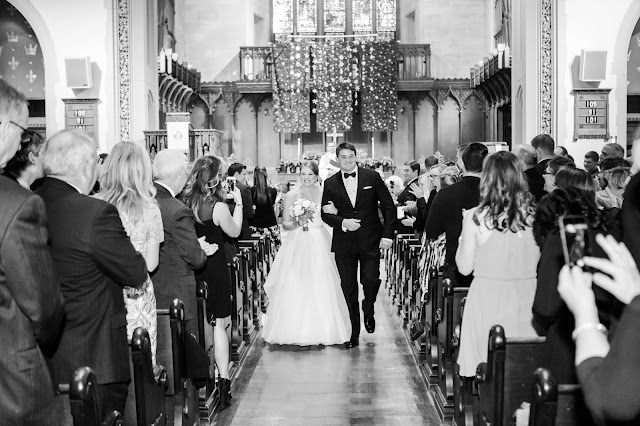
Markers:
point(126, 183)
point(544, 146)
point(551, 317)
point(406, 199)
point(265, 200)
point(553, 166)
point(527, 155)
point(612, 195)
point(31, 304)
point(181, 252)
point(607, 371)
point(497, 245)
point(94, 260)
point(445, 215)
point(26, 166)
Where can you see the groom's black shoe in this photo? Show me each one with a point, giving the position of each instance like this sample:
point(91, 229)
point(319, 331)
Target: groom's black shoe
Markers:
point(352, 343)
point(370, 324)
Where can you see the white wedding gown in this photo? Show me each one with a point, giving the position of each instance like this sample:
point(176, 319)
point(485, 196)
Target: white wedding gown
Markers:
point(306, 303)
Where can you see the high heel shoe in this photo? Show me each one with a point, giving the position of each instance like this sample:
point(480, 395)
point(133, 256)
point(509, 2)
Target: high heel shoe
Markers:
point(224, 391)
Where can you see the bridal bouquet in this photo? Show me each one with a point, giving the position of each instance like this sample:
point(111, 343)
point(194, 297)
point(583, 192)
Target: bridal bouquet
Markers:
point(302, 212)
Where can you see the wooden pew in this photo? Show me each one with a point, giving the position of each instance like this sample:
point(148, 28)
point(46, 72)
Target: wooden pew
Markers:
point(557, 405)
point(251, 273)
point(181, 398)
point(432, 317)
point(448, 343)
point(402, 272)
point(207, 400)
point(410, 259)
point(238, 345)
point(145, 400)
point(398, 268)
point(84, 400)
point(415, 308)
point(504, 381)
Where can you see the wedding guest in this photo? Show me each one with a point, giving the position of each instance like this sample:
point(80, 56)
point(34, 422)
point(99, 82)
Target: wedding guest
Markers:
point(552, 167)
point(239, 172)
point(328, 163)
point(406, 199)
point(425, 191)
point(26, 166)
point(126, 183)
point(265, 200)
point(445, 214)
point(612, 150)
point(606, 369)
point(631, 206)
point(561, 151)
point(527, 155)
point(544, 145)
point(497, 245)
point(394, 184)
point(551, 316)
point(206, 196)
point(591, 160)
point(608, 164)
point(568, 177)
point(94, 260)
point(613, 194)
point(182, 251)
point(32, 306)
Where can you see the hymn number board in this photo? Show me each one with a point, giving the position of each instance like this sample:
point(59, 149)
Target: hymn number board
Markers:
point(591, 114)
point(82, 114)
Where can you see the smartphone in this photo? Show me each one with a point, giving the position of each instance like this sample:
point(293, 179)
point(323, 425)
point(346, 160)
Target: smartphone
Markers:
point(574, 234)
point(231, 186)
point(400, 214)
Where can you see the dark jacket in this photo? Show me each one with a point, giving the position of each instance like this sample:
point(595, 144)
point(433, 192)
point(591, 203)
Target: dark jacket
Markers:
point(247, 211)
point(536, 183)
point(180, 254)
point(31, 308)
point(94, 259)
point(371, 191)
point(403, 197)
point(631, 217)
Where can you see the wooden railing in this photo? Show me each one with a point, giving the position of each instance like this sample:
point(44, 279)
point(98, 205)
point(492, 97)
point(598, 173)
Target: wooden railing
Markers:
point(201, 142)
point(414, 63)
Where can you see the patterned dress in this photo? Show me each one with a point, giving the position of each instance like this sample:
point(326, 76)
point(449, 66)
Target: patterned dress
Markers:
point(141, 302)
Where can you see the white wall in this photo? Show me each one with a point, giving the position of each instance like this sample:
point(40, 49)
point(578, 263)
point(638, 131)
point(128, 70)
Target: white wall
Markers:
point(72, 28)
point(593, 24)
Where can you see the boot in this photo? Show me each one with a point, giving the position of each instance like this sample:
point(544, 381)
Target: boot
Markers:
point(224, 392)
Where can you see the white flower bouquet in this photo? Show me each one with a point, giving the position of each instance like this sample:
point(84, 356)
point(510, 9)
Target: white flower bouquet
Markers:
point(302, 212)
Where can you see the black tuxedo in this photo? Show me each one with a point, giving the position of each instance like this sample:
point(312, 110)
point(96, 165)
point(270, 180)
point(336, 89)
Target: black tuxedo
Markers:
point(31, 308)
point(362, 245)
point(180, 254)
point(93, 258)
point(403, 197)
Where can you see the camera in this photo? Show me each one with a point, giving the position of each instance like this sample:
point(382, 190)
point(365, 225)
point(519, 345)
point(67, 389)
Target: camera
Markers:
point(574, 234)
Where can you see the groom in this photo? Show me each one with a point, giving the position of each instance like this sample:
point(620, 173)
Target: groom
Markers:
point(358, 234)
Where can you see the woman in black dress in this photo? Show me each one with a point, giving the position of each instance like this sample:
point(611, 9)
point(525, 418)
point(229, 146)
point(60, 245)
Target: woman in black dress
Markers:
point(206, 195)
point(264, 199)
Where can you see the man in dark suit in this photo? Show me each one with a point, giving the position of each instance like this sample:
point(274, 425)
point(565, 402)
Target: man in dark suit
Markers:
point(445, 214)
point(181, 252)
point(31, 310)
point(527, 155)
point(406, 199)
point(544, 146)
point(239, 172)
point(94, 259)
point(358, 234)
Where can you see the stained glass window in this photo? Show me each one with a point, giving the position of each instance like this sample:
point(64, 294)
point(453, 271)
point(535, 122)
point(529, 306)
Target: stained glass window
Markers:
point(334, 16)
point(282, 16)
point(362, 16)
point(307, 16)
point(386, 16)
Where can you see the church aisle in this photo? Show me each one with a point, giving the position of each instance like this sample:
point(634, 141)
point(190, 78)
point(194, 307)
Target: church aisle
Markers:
point(377, 383)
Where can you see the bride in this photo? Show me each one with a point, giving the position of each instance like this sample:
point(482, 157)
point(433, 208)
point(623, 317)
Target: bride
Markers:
point(306, 303)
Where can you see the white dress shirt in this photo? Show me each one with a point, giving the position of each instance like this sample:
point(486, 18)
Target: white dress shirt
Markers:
point(351, 185)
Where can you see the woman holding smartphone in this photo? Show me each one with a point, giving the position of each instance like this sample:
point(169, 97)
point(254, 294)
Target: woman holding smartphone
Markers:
point(205, 194)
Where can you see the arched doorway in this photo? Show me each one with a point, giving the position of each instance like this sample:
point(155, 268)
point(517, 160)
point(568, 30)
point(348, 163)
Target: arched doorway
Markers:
point(22, 62)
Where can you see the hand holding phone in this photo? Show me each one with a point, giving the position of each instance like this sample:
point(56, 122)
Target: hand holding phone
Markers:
point(574, 235)
point(231, 186)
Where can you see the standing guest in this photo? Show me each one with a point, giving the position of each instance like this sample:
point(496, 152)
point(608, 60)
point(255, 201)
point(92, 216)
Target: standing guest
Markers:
point(265, 199)
point(591, 160)
point(544, 145)
point(425, 191)
point(497, 245)
point(26, 166)
point(612, 196)
point(239, 172)
point(328, 162)
point(406, 199)
point(430, 161)
point(611, 150)
point(527, 155)
point(31, 308)
point(394, 185)
point(561, 151)
point(608, 164)
point(94, 260)
point(445, 214)
point(126, 183)
point(568, 177)
point(205, 196)
point(553, 166)
point(181, 252)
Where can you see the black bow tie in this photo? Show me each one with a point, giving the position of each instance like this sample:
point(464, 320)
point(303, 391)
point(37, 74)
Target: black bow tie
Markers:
point(348, 175)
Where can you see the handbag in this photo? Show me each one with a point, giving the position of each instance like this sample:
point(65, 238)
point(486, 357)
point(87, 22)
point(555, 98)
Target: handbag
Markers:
point(417, 326)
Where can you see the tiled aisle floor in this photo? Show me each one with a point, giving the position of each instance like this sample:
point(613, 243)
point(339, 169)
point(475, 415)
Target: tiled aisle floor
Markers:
point(377, 383)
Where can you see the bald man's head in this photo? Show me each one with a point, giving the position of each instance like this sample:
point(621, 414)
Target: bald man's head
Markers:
point(170, 168)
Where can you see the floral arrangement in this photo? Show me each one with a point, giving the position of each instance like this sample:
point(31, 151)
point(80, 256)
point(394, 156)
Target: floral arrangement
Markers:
point(312, 155)
point(302, 212)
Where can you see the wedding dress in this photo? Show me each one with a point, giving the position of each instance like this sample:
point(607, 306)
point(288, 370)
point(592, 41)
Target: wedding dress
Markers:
point(306, 303)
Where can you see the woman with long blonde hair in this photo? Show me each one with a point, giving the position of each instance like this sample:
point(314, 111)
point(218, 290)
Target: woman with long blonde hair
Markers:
point(126, 183)
point(497, 245)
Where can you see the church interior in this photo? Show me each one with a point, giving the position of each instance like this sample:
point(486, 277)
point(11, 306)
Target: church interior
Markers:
point(271, 83)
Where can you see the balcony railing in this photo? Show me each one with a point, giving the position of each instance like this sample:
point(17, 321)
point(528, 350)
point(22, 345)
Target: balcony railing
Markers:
point(201, 142)
point(493, 75)
point(414, 63)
